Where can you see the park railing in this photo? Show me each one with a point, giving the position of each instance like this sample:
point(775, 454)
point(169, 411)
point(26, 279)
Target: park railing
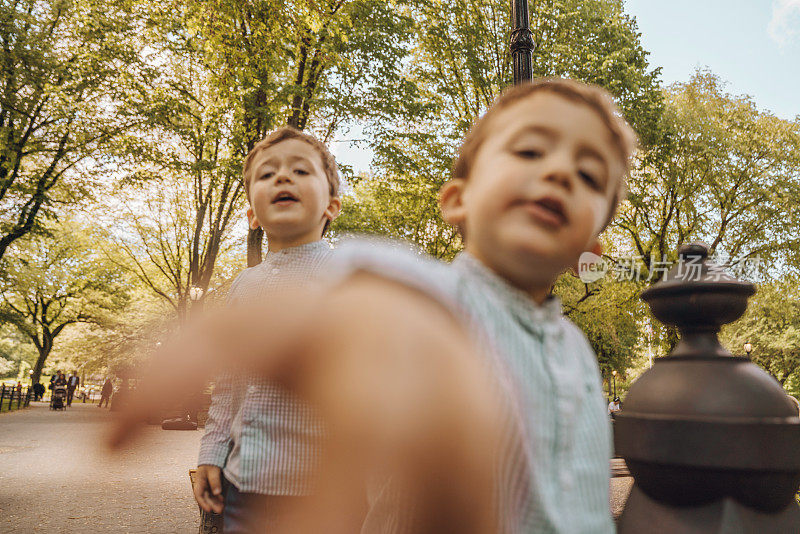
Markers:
point(14, 397)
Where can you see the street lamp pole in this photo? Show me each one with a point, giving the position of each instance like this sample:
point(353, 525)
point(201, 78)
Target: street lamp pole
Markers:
point(614, 377)
point(522, 44)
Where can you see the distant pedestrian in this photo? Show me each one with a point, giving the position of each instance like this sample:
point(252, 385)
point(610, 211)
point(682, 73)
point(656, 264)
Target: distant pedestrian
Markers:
point(105, 393)
point(614, 407)
point(38, 391)
point(53, 380)
point(72, 383)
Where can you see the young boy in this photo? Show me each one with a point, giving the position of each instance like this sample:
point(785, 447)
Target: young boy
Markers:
point(536, 181)
point(259, 438)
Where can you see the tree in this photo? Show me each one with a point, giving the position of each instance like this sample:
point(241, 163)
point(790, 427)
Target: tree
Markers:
point(63, 63)
point(462, 59)
point(16, 352)
point(156, 239)
point(56, 282)
point(725, 172)
point(126, 341)
point(612, 323)
point(183, 164)
point(305, 64)
point(401, 205)
point(772, 325)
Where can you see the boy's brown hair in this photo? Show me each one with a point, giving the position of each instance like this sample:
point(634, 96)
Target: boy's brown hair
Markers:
point(598, 99)
point(283, 134)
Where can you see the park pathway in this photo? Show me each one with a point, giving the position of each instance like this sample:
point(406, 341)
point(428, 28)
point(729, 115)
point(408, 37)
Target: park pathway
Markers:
point(55, 478)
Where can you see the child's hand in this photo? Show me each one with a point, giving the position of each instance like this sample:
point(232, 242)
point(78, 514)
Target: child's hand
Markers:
point(396, 379)
point(208, 488)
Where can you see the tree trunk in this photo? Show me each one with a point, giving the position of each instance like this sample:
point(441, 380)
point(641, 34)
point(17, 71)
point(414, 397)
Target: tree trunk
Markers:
point(44, 352)
point(254, 242)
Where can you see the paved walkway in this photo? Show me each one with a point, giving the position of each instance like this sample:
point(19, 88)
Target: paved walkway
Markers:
point(54, 478)
point(620, 489)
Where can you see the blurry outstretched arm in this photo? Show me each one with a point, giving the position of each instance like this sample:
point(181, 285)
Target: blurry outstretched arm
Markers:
point(399, 384)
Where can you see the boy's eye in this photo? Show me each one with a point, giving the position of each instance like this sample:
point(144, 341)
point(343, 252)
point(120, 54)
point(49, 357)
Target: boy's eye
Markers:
point(266, 175)
point(529, 153)
point(590, 179)
point(301, 172)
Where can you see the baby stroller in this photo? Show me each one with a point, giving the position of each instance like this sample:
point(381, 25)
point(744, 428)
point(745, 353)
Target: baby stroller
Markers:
point(58, 400)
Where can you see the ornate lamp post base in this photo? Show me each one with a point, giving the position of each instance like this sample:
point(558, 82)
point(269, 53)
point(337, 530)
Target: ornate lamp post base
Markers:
point(711, 439)
point(726, 515)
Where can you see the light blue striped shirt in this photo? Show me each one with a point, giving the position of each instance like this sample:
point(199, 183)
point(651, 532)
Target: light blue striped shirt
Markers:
point(557, 480)
point(265, 439)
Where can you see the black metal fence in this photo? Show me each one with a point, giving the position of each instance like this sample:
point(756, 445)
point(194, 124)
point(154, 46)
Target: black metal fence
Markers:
point(14, 397)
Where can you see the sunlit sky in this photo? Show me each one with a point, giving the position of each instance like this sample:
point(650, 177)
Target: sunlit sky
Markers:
point(752, 44)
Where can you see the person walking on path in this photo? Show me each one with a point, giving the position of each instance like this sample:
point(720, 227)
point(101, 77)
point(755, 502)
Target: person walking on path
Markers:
point(105, 393)
point(614, 407)
point(38, 391)
point(53, 380)
point(72, 383)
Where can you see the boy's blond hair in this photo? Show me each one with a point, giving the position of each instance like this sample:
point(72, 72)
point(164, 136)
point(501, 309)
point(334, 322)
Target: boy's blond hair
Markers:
point(598, 99)
point(283, 134)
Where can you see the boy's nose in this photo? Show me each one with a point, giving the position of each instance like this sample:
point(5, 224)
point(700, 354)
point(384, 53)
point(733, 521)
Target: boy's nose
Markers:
point(283, 177)
point(559, 172)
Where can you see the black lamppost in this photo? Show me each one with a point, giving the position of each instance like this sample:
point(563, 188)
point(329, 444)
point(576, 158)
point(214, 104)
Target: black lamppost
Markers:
point(521, 42)
point(614, 378)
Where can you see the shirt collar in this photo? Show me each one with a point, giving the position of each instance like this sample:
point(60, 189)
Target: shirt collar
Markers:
point(530, 314)
point(291, 254)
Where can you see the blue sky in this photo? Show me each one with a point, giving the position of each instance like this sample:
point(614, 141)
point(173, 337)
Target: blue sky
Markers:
point(752, 44)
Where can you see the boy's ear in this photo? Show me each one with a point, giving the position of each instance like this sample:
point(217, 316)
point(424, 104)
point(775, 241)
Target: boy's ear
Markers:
point(251, 219)
point(334, 208)
point(451, 202)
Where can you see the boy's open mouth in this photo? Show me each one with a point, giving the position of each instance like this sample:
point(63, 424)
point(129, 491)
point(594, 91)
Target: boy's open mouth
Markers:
point(549, 210)
point(284, 198)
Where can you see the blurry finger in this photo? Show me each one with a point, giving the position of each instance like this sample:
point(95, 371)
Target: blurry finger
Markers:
point(215, 487)
point(200, 489)
point(254, 339)
point(215, 481)
point(169, 380)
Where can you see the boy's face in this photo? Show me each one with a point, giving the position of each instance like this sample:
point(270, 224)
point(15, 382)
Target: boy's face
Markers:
point(289, 194)
point(539, 191)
